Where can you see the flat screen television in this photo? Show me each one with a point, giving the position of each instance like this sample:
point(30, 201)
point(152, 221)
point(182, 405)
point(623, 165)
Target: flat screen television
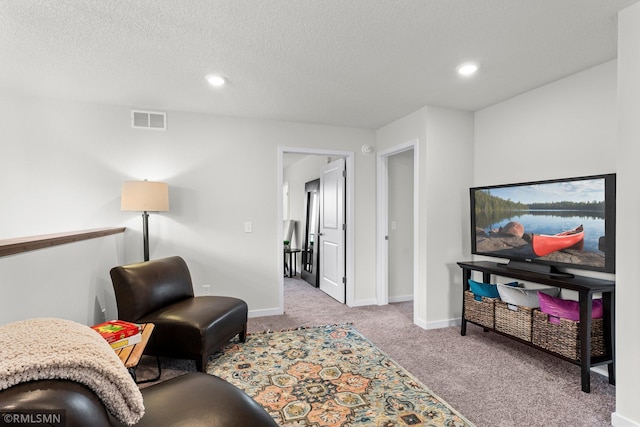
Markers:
point(546, 226)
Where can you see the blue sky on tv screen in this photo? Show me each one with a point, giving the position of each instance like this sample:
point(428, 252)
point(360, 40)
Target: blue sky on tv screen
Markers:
point(576, 191)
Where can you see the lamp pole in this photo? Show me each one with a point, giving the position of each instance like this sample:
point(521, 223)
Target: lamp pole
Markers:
point(145, 234)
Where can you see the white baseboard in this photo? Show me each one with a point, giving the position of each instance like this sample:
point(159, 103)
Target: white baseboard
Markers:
point(267, 312)
point(437, 325)
point(618, 420)
point(419, 322)
point(362, 302)
point(602, 370)
point(401, 298)
point(443, 324)
point(276, 311)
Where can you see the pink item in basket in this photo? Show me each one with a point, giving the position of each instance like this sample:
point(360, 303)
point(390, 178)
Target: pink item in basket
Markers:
point(566, 309)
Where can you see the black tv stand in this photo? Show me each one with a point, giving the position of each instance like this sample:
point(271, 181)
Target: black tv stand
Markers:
point(561, 274)
point(584, 286)
point(547, 270)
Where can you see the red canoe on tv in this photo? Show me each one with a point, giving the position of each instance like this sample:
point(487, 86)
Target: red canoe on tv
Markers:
point(544, 244)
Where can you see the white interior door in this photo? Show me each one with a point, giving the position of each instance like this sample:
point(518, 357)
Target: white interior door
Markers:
point(332, 230)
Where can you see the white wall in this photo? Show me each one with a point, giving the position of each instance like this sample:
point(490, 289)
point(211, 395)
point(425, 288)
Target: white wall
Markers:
point(445, 159)
point(532, 136)
point(64, 162)
point(449, 172)
point(69, 281)
point(628, 210)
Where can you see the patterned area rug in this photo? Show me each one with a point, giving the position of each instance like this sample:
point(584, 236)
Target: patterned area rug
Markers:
point(329, 376)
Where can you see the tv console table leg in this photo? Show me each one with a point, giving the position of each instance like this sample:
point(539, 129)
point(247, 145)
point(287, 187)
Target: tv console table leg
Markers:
point(585, 301)
point(586, 382)
point(466, 275)
point(611, 368)
point(608, 302)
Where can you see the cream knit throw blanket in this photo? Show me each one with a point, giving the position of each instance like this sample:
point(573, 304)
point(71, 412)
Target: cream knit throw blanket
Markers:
point(38, 349)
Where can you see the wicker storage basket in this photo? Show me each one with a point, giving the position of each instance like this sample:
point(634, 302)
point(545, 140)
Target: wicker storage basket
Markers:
point(516, 323)
point(564, 337)
point(480, 312)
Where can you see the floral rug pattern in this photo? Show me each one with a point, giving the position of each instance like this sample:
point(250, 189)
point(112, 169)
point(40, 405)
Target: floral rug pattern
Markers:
point(329, 376)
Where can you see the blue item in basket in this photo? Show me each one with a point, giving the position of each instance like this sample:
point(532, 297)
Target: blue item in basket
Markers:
point(488, 290)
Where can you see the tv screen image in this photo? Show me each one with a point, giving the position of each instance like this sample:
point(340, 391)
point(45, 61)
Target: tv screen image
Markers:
point(566, 222)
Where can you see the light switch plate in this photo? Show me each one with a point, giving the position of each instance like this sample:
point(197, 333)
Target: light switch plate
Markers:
point(248, 227)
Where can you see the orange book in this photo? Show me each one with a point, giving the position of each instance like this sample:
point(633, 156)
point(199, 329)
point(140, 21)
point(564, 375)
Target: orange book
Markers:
point(114, 330)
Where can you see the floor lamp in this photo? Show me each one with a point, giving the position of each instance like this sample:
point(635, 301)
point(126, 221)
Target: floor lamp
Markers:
point(145, 196)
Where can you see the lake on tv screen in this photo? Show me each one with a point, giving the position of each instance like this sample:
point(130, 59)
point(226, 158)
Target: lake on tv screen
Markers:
point(555, 223)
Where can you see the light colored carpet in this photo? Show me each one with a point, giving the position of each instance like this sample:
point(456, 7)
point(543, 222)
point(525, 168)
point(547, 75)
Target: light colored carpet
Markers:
point(492, 380)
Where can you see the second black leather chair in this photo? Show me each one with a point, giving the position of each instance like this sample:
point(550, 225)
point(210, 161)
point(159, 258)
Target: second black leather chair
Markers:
point(186, 327)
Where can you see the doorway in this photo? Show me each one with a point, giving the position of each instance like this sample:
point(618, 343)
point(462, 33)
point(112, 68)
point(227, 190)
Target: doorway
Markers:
point(390, 226)
point(348, 209)
point(400, 227)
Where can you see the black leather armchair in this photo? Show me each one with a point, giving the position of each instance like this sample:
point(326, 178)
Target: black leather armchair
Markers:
point(186, 327)
point(194, 399)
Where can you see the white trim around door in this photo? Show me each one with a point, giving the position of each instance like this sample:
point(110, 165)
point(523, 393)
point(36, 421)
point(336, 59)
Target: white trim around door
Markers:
point(382, 273)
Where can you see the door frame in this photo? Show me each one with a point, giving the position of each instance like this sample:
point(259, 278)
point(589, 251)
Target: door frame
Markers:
point(349, 157)
point(382, 209)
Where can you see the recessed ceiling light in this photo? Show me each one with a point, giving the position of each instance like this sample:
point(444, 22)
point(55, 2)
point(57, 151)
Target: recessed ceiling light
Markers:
point(216, 80)
point(467, 69)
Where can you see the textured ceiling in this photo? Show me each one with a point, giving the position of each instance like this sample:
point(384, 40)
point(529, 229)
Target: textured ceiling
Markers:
point(360, 63)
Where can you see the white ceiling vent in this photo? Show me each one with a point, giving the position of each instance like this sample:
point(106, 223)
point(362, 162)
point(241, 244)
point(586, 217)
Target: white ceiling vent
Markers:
point(148, 120)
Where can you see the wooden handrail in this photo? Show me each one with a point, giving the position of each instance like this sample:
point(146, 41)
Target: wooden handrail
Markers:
point(26, 244)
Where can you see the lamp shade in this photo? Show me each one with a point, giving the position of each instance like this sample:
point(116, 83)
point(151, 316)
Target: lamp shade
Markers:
point(145, 196)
